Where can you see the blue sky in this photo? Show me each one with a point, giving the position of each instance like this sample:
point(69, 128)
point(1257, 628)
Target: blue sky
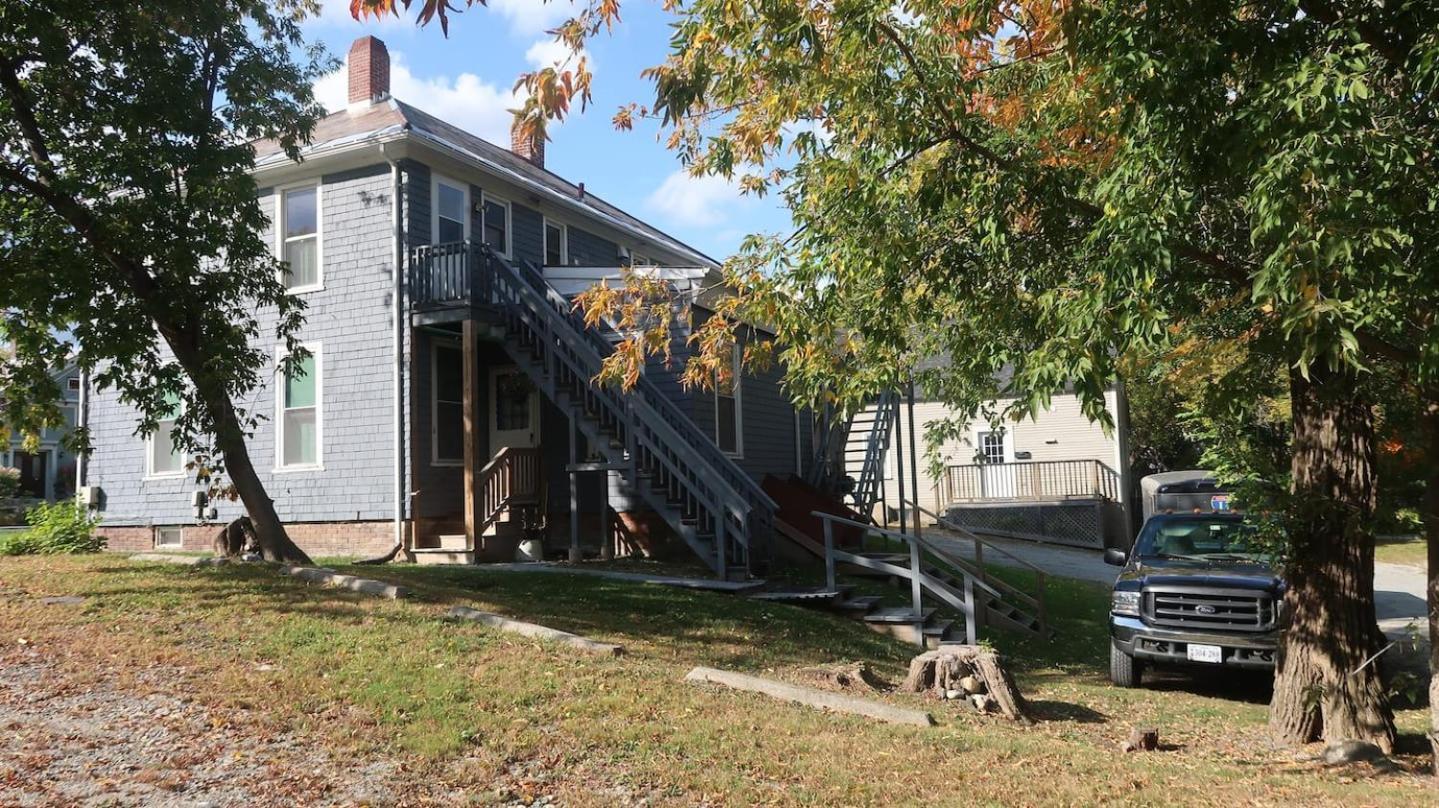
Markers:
point(467, 79)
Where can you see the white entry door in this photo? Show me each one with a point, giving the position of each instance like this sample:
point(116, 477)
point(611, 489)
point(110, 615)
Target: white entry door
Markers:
point(996, 473)
point(514, 410)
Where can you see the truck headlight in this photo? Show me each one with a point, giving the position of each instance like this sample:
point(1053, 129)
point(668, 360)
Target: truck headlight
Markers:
point(1124, 603)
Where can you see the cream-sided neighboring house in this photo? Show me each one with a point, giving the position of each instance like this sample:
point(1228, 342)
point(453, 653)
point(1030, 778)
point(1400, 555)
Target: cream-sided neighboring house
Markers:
point(1056, 477)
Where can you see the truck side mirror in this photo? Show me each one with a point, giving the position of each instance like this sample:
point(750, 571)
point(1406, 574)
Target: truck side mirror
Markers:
point(1115, 557)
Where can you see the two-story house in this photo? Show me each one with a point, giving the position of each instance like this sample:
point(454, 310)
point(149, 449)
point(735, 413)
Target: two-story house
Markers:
point(447, 402)
point(48, 467)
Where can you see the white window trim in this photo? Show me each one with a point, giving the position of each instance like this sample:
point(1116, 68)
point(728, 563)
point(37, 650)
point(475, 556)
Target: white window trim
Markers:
point(738, 452)
point(319, 233)
point(564, 240)
point(435, 181)
point(316, 350)
point(435, 459)
point(155, 537)
point(150, 473)
point(487, 197)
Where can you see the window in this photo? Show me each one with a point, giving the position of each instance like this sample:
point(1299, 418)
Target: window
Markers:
point(172, 538)
point(73, 384)
point(991, 447)
point(452, 205)
point(165, 458)
point(447, 411)
point(557, 248)
point(727, 408)
point(299, 403)
point(497, 224)
point(300, 237)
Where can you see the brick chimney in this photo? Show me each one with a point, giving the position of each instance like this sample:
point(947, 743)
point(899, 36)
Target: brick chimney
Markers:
point(530, 147)
point(369, 72)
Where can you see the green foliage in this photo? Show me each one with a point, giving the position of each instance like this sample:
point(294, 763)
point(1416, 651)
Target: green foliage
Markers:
point(62, 528)
point(131, 220)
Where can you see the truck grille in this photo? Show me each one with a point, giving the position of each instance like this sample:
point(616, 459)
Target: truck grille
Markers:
point(1209, 610)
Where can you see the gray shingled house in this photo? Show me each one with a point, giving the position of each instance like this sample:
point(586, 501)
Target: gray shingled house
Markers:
point(448, 402)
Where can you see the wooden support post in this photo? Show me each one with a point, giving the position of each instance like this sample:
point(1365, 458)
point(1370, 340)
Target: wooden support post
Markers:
point(575, 554)
point(607, 529)
point(916, 589)
point(898, 444)
point(913, 465)
point(829, 556)
point(719, 520)
point(971, 620)
point(471, 406)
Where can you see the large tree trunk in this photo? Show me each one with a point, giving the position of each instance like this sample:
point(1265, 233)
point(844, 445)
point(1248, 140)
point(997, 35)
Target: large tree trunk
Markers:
point(270, 534)
point(1322, 686)
point(1431, 536)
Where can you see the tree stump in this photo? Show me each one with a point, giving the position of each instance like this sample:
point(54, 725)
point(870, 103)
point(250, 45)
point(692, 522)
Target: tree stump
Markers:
point(1141, 739)
point(969, 669)
point(855, 676)
point(232, 540)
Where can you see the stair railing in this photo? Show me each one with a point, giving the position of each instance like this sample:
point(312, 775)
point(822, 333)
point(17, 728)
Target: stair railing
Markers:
point(1034, 603)
point(649, 438)
point(702, 444)
point(512, 474)
point(961, 600)
point(866, 490)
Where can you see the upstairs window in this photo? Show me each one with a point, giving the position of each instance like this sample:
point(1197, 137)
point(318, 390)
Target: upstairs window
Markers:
point(447, 406)
point(164, 458)
point(497, 224)
point(300, 237)
point(452, 204)
point(557, 248)
point(299, 404)
point(727, 408)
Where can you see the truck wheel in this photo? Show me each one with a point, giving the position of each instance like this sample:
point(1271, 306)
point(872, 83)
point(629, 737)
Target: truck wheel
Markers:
point(1124, 670)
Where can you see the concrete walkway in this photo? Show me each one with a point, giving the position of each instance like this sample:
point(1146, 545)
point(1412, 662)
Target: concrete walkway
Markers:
point(1398, 588)
point(711, 584)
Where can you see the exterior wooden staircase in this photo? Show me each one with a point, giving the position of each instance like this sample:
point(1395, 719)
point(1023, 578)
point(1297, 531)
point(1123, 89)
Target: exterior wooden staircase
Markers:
point(865, 435)
point(673, 466)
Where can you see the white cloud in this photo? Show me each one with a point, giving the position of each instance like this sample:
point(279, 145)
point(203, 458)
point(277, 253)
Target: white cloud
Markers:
point(549, 52)
point(695, 201)
point(466, 101)
point(530, 17)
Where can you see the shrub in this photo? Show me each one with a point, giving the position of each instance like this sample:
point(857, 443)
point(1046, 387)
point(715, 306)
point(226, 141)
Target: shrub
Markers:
point(62, 528)
point(9, 482)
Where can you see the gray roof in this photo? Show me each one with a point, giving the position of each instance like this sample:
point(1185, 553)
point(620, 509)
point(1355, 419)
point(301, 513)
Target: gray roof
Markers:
point(394, 117)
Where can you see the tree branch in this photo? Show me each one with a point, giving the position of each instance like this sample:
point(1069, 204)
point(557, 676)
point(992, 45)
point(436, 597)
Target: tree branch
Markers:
point(1395, 52)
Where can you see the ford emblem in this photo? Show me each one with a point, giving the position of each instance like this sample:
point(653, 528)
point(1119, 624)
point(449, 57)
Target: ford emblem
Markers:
point(1202, 609)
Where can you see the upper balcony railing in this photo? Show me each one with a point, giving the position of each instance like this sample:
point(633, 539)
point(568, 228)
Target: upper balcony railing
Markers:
point(450, 275)
point(1047, 480)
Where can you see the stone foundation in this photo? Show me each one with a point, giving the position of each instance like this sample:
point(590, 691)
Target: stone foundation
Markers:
point(317, 539)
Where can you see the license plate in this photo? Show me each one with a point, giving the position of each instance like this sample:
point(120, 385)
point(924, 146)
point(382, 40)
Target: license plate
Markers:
point(1205, 653)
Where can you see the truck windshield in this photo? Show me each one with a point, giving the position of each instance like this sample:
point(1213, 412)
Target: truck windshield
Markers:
point(1199, 538)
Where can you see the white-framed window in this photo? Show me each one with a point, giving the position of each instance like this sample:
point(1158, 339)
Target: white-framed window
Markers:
point(73, 384)
point(169, 538)
point(729, 429)
point(299, 414)
point(447, 404)
point(991, 447)
point(557, 244)
point(298, 237)
point(162, 457)
point(495, 218)
point(450, 202)
point(641, 260)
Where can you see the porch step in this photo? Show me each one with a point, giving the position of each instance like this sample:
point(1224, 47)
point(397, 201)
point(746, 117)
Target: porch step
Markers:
point(436, 555)
point(899, 614)
point(862, 605)
point(452, 541)
point(811, 595)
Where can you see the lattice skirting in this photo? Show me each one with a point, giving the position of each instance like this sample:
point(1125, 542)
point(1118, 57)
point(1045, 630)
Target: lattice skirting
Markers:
point(1080, 524)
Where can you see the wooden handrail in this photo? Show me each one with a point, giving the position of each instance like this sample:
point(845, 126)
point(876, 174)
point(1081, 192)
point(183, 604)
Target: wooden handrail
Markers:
point(513, 473)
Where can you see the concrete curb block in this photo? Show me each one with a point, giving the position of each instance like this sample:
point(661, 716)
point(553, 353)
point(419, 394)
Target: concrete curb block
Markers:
point(365, 586)
point(811, 697)
point(536, 631)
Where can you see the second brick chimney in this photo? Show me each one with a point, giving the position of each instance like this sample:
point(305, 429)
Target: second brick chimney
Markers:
point(529, 146)
point(369, 72)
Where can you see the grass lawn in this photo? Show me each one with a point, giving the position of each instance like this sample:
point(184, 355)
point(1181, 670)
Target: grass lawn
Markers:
point(487, 713)
point(1402, 550)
